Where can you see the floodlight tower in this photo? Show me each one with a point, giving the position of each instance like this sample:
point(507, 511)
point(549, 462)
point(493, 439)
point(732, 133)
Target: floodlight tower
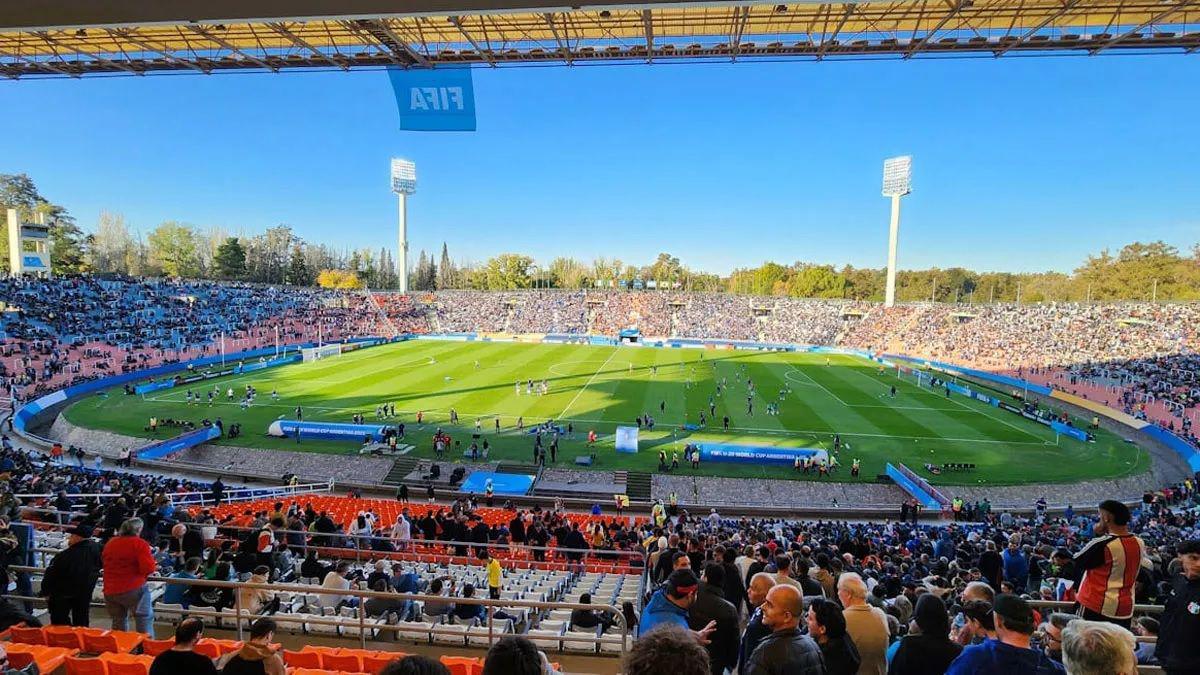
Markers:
point(897, 182)
point(404, 183)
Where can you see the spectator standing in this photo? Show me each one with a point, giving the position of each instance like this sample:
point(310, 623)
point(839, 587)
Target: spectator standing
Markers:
point(827, 626)
point(867, 625)
point(670, 604)
point(182, 657)
point(1009, 653)
point(711, 605)
point(71, 578)
point(756, 630)
point(1016, 565)
point(1178, 649)
point(494, 574)
point(929, 651)
point(128, 560)
point(1098, 648)
point(786, 650)
point(1110, 565)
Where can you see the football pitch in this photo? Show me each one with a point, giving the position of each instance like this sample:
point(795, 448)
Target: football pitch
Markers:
point(600, 387)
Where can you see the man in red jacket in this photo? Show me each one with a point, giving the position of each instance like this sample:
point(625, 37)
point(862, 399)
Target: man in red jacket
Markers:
point(127, 562)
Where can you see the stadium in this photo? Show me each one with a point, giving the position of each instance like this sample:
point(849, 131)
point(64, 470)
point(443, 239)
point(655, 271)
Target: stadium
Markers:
point(239, 452)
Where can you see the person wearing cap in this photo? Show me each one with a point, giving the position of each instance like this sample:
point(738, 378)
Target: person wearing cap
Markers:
point(711, 605)
point(786, 649)
point(669, 605)
point(71, 578)
point(1178, 650)
point(1009, 653)
point(1110, 565)
point(929, 649)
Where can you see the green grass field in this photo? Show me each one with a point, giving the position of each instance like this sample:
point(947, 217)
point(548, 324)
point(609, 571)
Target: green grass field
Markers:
point(602, 387)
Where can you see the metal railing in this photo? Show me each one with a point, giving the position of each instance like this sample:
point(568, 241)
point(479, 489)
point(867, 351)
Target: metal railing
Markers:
point(241, 616)
point(204, 497)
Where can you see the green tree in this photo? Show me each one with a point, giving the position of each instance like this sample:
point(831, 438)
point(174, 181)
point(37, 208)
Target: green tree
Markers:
point(173, 249)
point(445, 271)
point(297, 272)
point(816, 281)
point(508, 271)
point(230, 261)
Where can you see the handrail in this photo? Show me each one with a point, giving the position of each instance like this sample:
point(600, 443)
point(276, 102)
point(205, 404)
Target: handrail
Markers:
point(383, 554)
point(363, 595)
point(253, 493)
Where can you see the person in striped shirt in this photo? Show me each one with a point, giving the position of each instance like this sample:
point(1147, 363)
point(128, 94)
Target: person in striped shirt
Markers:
point(1109, 565)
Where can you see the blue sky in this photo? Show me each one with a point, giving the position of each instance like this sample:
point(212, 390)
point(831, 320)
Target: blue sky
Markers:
point(1019, 164)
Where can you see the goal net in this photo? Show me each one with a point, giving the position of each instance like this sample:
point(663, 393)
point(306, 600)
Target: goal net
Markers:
point(322, 352)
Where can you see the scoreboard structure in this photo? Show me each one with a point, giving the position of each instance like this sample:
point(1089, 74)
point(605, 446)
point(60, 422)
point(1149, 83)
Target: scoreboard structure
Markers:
point(28, 246)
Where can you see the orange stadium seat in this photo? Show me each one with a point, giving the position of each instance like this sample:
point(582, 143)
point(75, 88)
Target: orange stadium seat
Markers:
point(29, 636)
point(127, 664)
point(63, 636)
point(461, 665)
point(306, 658)
point(337, 660)
point(156, 647)
point(122, 642)
point(48, 659)
point(375, 663)
point(86, 666)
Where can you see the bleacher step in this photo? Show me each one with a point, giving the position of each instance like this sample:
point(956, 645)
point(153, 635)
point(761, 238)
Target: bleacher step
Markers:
point(637, 486)
point(400, 468)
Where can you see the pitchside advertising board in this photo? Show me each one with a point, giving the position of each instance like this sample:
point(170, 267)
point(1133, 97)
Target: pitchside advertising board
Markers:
point(749, 454)
point(627, 439)
point(434, 99)
point(328, 431)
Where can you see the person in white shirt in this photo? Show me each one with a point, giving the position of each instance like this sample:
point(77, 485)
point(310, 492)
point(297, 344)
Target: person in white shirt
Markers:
point(402, 532)
point(336, 580)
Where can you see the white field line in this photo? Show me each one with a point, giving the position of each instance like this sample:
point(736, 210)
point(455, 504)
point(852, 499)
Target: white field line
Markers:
point(587, 384)
point(794, 369)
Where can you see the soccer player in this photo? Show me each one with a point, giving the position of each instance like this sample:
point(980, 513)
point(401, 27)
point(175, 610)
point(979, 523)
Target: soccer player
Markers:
point(518, 387)
point(892, 392)
point(726, 423)
point(274, 395)
point(299, 414)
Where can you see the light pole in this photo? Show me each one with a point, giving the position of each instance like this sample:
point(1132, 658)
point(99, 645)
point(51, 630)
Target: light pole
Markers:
point(404, 183)
point(897, 182)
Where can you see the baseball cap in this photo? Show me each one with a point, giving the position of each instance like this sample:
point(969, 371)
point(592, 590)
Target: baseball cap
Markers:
point(682, 582)
point(1013, 610)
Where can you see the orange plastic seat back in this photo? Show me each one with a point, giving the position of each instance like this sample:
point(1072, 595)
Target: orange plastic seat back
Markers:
point(461, 665)
point(63, 636)
point(376, 663)
point(29, 636)
point(78, 666)
point(156, 647)
point(347, 662)
point(304, 659)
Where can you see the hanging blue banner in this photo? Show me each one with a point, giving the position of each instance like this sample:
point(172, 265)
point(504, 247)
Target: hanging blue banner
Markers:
point(441, 99)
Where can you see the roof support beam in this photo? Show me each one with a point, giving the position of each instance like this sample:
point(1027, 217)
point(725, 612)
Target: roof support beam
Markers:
point(398, 46)
point(62, 45)
point(1148, 22)
point(826, 38)
point(132, 38)
point(213, 37)
point(1067, 6)
point(487, 53)
point(648, 30)
point(39, 64)
point(296, 40)
point(740, 16)
point(955, 8)
point(565, 47)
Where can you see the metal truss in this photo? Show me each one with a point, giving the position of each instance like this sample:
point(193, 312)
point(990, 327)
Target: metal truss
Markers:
point(651, 32)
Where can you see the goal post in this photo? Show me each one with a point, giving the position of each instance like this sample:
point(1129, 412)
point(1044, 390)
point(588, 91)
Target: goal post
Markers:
point(322, 352)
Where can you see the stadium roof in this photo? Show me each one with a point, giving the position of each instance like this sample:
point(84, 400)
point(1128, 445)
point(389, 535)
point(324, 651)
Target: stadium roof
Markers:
point(134, 37)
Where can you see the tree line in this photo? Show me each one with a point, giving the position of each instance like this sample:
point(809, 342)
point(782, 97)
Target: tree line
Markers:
point(1139, 271)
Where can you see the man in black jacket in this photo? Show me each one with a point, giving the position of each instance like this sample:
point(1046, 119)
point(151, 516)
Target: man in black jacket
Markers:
point(71, 577)
point(786, 649)
point(735, 590)
point(711, 605)
point(1178, 650)
point(756, 595)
